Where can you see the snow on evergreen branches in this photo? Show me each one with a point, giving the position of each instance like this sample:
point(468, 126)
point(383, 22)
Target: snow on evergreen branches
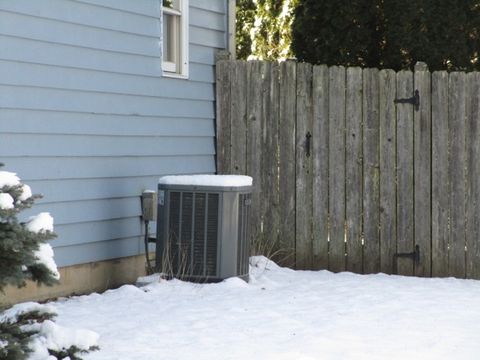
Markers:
point(28, 330)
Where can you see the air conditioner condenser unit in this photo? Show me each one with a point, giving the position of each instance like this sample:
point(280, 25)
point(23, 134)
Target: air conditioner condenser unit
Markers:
point(203, 227)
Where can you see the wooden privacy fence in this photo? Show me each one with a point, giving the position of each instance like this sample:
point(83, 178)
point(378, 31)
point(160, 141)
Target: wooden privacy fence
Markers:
point(351, 170)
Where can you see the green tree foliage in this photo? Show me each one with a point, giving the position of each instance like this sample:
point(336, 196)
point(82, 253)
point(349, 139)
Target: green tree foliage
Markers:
point(264, 29)
point(245, 17)
point(25, 255)
point(388, 33)
point(18, 245)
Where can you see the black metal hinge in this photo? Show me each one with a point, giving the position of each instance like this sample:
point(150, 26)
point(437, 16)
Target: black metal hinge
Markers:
point(414, 255)
point(308, 139)
point(414, 100)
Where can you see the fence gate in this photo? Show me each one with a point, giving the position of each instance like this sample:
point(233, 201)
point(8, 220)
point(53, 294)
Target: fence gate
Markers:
point(354, 169)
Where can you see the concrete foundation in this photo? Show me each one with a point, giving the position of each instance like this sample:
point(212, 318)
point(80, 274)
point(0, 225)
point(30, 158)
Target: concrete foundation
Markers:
point(80, 279)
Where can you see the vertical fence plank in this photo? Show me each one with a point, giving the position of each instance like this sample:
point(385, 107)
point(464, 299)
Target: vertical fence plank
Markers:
point(388, 139)
point(353, 185)
point(473, 176)
point(320, 166)
point(456, 114)
point(440, 181)
point(256, 72)
point(422, 168)
point(223, 120)
point(304, 180)
point(405, 242)
point(287, 98)
point(238, 138)
point(337, 167)
point(270, 164)
point(371, 171)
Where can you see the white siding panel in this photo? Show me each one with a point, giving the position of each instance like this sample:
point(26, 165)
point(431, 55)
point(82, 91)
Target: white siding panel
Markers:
point(65, 33)
point(87, 119)
point(27, 50)
point(81, 13)
point(23, 97)
point(101, 250)
point(41, 145)
point(17, 121)
point(66, 190)
point(55, 168)
point(28, 74)
point(210, 5)
point(148, 8)
point(207, 19)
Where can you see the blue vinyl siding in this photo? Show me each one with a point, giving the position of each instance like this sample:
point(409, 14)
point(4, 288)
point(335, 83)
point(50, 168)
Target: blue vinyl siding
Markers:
point(87, 120)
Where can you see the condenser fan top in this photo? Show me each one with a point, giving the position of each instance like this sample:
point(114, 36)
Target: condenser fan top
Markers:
point(207, 180)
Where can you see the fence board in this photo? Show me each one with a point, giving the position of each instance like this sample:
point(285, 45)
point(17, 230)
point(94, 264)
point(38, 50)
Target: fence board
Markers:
point(456, 114)
point(256, 73)
point(440, 181)
point(422, 164)
point(405, 219)
point(371, 173)
point(320, 166)
point(223, 123)
point(388, 220)
point(336, 169)
point(473, 176)
point(270, 164)
point(378, 171)
point(287, 98)
point(238, 117)
point(304, 180)
point(354, 164)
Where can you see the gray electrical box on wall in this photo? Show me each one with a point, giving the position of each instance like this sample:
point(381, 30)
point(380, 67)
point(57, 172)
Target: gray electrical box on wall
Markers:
point(149, 205)
point(203, 228)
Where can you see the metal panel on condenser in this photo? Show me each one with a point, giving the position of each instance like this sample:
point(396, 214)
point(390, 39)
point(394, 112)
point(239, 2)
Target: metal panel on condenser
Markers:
point(203, 232)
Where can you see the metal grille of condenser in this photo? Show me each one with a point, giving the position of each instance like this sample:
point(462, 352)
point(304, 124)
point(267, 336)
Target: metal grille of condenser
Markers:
point(203, 235)
point(193, 233)
point(243, 233)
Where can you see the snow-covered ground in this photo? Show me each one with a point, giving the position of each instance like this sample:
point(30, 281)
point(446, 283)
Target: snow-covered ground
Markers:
point(284, 314)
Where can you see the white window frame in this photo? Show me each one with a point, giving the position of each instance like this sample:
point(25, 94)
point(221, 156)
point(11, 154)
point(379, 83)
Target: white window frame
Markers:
point(178, 69)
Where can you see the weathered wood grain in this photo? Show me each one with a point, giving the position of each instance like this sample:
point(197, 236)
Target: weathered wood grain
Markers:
point(238, 116)
point(287, 99)
point(337, 167)
point(223, 119)
point(422, 170)
point(304, 179)
point(388, 139)
point(270, 164)
point(456, 119)
point(320, 131)
point(354, 164)
point(256, 73)
point(405, 218)
point(473, 176)
point(371, 171)
point(440, 180)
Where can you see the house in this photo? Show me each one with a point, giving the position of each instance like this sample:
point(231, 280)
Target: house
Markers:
point(98, 98)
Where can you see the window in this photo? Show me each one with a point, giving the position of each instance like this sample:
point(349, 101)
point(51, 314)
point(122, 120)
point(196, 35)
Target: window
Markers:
point(175, 37)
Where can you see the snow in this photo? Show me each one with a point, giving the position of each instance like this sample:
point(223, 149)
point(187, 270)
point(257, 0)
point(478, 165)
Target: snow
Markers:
point(50, 335)
point(207, 180)
point(26, 193)
point(6, 201)
point(283, 314)
point(55, 337)
point(19, 309)
point(40, 223)
point(44, 255)
point(8, 178)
